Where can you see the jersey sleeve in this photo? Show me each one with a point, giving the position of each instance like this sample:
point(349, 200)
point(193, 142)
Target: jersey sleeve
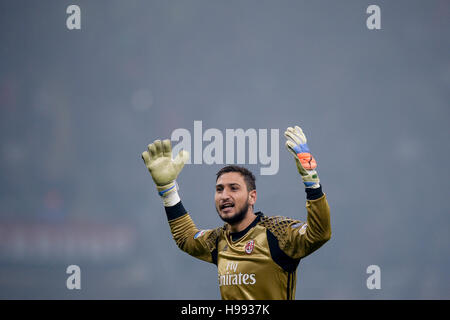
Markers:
point(201, 244)
point(290, 240)
point(303, 238)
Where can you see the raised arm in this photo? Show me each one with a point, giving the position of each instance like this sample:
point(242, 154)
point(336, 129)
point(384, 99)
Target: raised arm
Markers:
point(304, 238)
point(164, 171)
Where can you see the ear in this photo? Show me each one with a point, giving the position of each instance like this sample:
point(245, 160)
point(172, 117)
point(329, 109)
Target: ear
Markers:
point(252, 197)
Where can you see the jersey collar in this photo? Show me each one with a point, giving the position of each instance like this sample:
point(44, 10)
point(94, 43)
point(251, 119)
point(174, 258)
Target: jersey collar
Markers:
point(238, 235)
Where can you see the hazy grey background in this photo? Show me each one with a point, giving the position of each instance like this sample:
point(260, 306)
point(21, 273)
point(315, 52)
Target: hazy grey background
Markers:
point(78, 108)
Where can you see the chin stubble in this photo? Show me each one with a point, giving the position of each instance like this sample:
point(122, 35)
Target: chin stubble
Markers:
point(238, 217)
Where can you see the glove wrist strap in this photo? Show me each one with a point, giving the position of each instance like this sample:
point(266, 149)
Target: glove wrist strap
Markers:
point(169, 194)
point(311, 179)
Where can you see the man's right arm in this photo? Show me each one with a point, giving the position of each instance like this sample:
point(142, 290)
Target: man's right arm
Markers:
point(164, 171)
point(201, 244)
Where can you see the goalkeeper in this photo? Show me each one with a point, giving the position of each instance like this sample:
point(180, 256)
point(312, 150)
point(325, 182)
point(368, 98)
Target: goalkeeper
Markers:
point(256, 255)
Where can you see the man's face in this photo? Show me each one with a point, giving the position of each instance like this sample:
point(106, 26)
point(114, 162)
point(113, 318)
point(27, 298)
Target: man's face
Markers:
point(232, 197)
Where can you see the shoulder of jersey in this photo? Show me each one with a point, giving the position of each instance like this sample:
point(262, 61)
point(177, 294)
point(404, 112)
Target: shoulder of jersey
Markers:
point(278, 226)
point(211, 238)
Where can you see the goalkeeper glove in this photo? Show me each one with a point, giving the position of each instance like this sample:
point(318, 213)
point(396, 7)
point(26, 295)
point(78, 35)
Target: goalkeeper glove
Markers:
point(306, 164)
point(164, 169)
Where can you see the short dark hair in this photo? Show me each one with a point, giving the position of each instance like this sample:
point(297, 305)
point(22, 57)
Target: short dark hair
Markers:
point(248, 176)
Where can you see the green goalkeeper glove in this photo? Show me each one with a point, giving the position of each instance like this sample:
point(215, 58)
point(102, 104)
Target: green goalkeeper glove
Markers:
point(164, 169)
point(306, 164)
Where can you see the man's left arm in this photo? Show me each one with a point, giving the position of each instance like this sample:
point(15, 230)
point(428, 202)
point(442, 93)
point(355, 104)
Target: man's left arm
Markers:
point(305, 238)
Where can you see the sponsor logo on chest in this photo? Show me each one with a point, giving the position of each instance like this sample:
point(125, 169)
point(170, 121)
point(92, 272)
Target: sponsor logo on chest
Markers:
point(232, 276)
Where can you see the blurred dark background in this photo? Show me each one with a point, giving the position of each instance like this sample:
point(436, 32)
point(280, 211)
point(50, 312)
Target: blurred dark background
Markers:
point(77, 108)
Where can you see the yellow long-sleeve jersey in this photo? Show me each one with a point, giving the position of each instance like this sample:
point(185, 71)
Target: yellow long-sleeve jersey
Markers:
point(261, 261)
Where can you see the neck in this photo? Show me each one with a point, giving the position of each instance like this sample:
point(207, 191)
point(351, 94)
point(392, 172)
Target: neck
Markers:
point(244, 223)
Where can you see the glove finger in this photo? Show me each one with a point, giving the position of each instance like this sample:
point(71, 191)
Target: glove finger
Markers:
point(288, 136)
point(167, 148)
point(181, 158)
point(152, 151)
point(293, 130)
point(158, 148)
point(290, 146)
point(290, 131)
point(298, 129)
point(146, 157)
point(293, 137)
point(300, 133)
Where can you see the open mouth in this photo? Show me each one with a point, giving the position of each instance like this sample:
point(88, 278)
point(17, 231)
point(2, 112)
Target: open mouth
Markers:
point(227, 207)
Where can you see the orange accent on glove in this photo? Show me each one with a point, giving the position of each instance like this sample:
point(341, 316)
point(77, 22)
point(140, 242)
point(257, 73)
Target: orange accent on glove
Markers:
point(307, 161)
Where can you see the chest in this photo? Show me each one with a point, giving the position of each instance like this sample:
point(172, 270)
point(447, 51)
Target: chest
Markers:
point(244, 259)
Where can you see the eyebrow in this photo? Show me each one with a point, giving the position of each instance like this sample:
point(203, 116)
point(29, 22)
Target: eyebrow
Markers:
point(229, 184)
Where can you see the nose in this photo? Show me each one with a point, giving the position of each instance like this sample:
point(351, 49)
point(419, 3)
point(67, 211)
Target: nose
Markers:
point(224, 195)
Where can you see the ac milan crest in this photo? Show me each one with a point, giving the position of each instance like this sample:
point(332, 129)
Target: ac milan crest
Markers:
point(250, 246)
